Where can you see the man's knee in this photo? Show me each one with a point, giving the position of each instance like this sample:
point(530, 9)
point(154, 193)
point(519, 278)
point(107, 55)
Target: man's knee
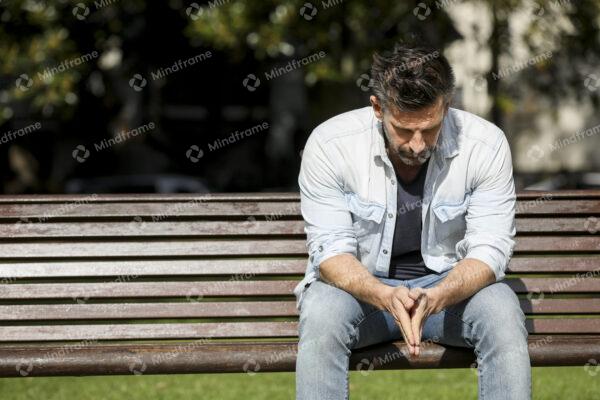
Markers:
point(498, 321)
point(328, 315)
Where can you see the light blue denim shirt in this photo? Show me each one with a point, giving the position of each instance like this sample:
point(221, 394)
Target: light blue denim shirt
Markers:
point(348, 195)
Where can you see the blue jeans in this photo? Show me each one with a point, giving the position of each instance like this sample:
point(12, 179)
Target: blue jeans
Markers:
point(333, 322)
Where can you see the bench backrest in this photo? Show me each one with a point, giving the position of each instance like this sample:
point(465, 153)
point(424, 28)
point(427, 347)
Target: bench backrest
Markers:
point(222, 267)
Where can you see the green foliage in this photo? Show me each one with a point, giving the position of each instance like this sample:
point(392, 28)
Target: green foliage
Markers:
point(37, 36)
point(347, 31)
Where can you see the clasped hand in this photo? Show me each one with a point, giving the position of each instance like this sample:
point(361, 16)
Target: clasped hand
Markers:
point(411, 308)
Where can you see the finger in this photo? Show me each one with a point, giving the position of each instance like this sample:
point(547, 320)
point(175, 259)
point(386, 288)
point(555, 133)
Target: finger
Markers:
point(411, 306)
point(405, 324)
point(415, 293)
point(407, 301)
point(421, 326)
point(405, 336)
point(417, 321)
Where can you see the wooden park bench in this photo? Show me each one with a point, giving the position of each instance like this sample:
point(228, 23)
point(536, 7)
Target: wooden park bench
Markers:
point(158, 284)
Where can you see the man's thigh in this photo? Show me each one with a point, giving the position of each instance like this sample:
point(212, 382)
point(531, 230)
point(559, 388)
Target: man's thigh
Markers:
point(496, 305)
point(327, 309)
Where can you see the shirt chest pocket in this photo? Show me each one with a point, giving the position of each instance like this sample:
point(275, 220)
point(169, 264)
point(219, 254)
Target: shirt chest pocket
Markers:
point(450, 219)
point(366, 216)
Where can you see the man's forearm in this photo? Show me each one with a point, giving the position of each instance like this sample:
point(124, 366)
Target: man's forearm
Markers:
point(349, 274)
point(467, 277)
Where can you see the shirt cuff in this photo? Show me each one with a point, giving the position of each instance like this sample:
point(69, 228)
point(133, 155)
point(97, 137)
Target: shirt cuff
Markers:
point(491, 256)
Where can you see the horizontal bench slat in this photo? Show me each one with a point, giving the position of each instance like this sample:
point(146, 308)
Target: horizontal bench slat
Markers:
point(157, 197)
point(554, 225)
point(152, 248)
point(137, 228)
point(557, 243)
point(44, 212)
point(147, 331)
point(559, 208)
point(42, 312)
point(193, 290)
point(560, 306)
point(554, 285)
point(248, 196)
point(149, 310)
point(242, 267)
point(257, 226)
point(563, 325)
point(149, 210)
point(229, 330)
point(554, 264)
point(245, 267)
point(208, 247)
point(195, 357)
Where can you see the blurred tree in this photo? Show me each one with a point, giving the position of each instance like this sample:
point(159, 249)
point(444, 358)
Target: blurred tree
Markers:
point(70, 63)
point(131, 37)
point(346, 32)
point(567, 30)
point(349, 32)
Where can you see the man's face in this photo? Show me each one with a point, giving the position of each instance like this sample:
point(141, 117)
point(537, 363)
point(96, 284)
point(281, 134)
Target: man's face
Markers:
point(411, 135)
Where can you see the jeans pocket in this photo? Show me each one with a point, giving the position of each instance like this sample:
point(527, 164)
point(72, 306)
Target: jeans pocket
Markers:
point(302, 294)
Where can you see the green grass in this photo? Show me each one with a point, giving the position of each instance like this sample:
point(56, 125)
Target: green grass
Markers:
point(572, 383)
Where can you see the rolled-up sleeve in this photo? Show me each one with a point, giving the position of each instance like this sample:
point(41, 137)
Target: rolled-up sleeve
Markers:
point(327, 220)
point(490, 216)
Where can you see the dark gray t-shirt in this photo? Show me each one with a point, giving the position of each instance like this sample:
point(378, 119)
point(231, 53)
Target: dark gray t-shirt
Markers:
point(407, 261)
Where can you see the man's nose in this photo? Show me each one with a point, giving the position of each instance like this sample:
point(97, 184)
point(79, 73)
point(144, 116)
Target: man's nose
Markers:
point(417, 144)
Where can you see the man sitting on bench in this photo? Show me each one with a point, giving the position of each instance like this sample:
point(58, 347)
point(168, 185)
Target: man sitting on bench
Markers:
point(409, 210)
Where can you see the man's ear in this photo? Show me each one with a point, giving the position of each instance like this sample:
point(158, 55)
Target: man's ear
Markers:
point(376, 107)
point(446, 108)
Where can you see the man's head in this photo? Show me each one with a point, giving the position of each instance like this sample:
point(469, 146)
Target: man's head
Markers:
point(412, 90)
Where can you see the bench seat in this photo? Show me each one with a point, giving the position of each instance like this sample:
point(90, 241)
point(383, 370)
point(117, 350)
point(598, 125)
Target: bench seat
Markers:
point(158, 284)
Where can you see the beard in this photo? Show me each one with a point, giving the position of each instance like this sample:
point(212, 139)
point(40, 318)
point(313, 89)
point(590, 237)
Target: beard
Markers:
point(408, 157)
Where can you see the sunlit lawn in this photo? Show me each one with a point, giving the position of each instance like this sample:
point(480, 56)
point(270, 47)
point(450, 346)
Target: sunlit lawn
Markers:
point(548, 383)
